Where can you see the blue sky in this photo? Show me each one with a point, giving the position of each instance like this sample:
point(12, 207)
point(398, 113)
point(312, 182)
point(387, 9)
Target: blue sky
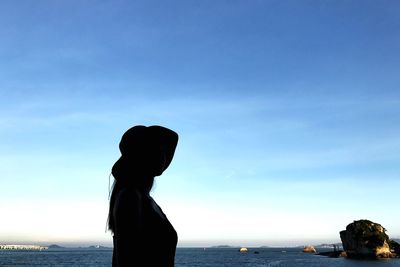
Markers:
point(287, 111)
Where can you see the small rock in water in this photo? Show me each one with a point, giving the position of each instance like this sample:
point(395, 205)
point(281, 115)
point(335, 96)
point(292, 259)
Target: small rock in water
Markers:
point(243, 250)
point(309, 249)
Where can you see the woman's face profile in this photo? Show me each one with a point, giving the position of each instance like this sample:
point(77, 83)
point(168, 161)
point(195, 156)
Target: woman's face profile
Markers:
point(151, 161)
point(157, 161)
point(163, 162)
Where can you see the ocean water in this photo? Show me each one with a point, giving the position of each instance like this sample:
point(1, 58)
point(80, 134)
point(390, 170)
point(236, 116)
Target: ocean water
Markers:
point(267, 257)
point(189, 257)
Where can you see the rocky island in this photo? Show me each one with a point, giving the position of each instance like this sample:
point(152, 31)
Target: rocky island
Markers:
point(364, 239)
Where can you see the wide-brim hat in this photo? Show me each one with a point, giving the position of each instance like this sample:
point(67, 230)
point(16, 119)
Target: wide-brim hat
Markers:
point(140, 138)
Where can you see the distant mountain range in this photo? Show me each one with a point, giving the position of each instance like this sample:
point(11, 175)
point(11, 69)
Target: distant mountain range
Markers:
point(90, 247)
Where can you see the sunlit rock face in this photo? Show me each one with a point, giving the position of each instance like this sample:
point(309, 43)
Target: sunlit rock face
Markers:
point(366, 239)
point(309, 249)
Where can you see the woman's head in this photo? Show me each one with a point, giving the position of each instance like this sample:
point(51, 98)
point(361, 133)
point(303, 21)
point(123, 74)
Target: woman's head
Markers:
point(146, 151)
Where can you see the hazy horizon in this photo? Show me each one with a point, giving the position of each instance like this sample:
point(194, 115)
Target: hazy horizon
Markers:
point(192, 243)
point(203, 243)
point(287, 112)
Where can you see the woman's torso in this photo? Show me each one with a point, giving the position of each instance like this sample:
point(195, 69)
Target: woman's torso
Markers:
point(157, 238)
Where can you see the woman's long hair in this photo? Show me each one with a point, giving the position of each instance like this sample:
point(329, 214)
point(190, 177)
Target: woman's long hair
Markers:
point(124, 177)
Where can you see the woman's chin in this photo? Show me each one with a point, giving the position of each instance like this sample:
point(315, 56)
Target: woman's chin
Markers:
point(158, 173)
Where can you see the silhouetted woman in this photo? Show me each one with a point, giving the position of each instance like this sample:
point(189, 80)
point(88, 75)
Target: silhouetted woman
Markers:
point(142, 234)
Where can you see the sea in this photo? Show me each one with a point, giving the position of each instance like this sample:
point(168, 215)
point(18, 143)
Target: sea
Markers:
point(189, 257)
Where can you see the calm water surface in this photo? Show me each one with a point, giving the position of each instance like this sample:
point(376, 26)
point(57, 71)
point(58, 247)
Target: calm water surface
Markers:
point(189, 257)
point(268, 257)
